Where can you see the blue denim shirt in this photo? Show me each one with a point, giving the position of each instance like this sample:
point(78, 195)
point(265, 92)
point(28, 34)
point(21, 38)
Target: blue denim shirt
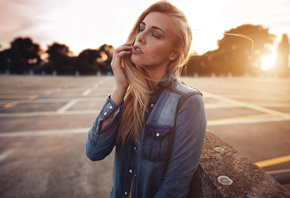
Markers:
point(171, 142)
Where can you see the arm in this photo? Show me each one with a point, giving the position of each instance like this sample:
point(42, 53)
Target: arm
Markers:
point(100, 142)
point(187, 147)
point(101, 137)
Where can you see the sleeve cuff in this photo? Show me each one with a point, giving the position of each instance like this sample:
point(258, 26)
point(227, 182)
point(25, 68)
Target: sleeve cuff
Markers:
point(107, 109)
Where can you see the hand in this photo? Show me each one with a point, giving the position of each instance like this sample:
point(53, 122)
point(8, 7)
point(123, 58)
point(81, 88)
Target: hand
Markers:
point(117, 67)
point(118, 70)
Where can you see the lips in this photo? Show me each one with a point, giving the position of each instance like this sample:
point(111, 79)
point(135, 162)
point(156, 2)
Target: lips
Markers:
point(136, 49)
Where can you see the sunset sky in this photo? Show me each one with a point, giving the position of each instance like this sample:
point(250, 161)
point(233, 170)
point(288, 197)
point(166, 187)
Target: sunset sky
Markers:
point(91, 23)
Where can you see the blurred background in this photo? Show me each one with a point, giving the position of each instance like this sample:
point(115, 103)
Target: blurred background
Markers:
point(70, 36)
point(239, 60)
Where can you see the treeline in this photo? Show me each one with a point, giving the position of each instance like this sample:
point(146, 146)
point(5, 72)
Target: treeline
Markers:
point(238, 53)
point(25, 56)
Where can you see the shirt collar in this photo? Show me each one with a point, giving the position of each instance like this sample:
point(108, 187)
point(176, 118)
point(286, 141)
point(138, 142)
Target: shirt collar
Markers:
point(167, 79)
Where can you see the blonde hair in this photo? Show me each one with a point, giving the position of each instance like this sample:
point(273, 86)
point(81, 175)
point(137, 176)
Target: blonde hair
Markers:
point(138, 94)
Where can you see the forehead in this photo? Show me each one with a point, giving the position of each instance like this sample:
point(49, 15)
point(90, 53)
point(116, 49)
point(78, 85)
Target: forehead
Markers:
point(160, 20)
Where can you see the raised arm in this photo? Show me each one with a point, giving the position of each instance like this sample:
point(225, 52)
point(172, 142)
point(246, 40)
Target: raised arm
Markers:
point(101, 137)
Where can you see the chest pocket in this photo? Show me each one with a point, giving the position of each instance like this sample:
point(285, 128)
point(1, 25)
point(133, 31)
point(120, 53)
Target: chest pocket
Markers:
point(157, 141)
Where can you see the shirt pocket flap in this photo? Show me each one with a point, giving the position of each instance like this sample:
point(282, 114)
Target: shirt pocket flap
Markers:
point(158, 131)
point(156, 144)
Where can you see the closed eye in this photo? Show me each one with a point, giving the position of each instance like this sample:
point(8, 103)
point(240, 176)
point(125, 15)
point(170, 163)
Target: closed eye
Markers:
point(156, 36)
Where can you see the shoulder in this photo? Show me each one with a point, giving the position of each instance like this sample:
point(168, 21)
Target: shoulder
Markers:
point(184, 89)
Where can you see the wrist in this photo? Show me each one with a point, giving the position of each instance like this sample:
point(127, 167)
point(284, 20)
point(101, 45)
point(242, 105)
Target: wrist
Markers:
point(118, 94)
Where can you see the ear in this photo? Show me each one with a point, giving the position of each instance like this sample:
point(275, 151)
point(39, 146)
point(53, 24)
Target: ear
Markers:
point(173, 56)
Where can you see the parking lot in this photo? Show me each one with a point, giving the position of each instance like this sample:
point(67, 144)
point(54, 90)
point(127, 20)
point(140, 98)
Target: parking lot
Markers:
point(44, 121)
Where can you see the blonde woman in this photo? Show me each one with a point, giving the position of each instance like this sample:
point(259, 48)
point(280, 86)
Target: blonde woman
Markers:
point(156, 122)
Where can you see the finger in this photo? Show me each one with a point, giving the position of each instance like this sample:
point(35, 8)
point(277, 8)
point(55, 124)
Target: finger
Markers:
point(117, 58)
point(128, 44)
point(122, 53)
point(123, 48)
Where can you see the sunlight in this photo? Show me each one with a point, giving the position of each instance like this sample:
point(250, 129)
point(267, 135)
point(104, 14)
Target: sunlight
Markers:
point(206, 29)
point(268, 61)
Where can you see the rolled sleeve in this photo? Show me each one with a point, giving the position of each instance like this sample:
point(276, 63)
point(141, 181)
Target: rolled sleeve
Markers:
point(187, 147)
point(100, 143)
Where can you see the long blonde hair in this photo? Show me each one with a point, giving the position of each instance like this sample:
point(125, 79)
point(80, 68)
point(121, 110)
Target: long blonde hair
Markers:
point(138, 94)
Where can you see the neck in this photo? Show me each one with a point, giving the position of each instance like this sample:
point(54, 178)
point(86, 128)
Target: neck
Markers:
point(155, 74)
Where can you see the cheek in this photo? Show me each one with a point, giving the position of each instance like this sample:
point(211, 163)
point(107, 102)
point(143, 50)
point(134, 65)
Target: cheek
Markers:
point(161, 50)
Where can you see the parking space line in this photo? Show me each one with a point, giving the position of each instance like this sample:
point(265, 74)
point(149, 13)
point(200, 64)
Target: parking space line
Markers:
point(57, 100)
point(96, 85)
point(5, 154)
point(274, 161)
point(47, 93)
point(49, 113)
point(11, 104)
point(280, 104)
point(219, 105)
point(87, 92)
point(67, 106)
point(44, 132)
point(32, 97)
point(246, 120)
point(248, 105)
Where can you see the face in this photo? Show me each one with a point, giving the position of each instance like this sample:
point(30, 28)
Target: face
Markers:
point(153, 45)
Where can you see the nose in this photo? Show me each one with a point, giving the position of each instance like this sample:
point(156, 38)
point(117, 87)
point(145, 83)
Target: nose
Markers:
point(141, 38)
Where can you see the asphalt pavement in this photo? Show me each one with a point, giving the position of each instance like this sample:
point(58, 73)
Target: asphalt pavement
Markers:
point(44, 121)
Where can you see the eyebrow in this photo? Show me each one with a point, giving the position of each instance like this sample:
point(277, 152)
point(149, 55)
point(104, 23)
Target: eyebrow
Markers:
point(154, 27)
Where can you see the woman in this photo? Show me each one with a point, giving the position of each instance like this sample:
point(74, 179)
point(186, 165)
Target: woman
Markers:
point(156, 122)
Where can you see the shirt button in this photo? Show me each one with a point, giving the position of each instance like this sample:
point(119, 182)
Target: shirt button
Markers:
point(111, 107)
point(130, 171)
point(126, 193)
point(157, 134)
point(135, 148)
point(157, 87)
point(105, 113)
point(152, 105)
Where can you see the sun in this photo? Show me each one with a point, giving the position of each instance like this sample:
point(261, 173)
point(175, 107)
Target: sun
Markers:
point(268, 61)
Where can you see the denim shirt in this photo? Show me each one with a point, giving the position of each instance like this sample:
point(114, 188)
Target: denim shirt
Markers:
point(171, 142)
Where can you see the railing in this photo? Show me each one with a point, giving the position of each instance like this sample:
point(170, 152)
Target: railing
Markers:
point(225, 172)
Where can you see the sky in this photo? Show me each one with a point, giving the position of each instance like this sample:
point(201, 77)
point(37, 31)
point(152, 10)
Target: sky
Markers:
point(83, 24)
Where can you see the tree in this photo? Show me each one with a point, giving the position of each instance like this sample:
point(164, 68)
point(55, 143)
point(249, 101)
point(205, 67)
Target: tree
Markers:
point(282, 62)
point(60, 59)
point(239, 52)
point(86, 62)
point(106, 55)
point(243, 48)
point(23, 55)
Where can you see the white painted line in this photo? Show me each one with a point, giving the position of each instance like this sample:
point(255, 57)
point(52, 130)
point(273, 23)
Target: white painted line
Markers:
point(87, 92)
point(246, 121)
point(248, 105)
point(45, 132)
point(5, 154)
point(56, 100)
point(273, 104)
point(67, 106)
point(49, 113)
point(96, 85)
point(217, 106)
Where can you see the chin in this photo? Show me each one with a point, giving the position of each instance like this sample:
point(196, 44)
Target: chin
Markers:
point(135, 60)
